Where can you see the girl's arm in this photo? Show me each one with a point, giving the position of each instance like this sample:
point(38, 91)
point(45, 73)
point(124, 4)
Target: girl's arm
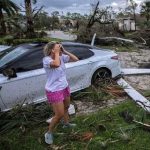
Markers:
point(73, 58)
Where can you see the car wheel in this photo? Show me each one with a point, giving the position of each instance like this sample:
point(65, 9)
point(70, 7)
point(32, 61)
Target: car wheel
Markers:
point(101, 76)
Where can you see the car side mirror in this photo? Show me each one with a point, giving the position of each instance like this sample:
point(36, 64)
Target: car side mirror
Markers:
point(10, 73)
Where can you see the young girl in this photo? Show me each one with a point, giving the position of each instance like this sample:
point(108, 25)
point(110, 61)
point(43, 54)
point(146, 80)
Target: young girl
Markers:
point(57, 89)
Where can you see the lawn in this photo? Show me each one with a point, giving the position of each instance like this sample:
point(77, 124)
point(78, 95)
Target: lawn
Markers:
point(106, 127)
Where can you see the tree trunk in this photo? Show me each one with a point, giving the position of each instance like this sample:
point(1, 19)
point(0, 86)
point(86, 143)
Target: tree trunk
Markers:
point(92, 19)
point(2, 23)
point(30, 25)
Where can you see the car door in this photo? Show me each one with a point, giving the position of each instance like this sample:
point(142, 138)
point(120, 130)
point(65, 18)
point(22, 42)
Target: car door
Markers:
point(29, 84)
point(78, 72)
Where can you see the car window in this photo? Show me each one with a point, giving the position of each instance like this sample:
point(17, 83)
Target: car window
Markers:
point(82, 52)
point(30, 61)
point(12, 55)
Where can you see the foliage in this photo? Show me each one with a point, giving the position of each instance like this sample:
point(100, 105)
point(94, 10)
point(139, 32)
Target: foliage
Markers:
point(9, 40)
point(10, 8)
point(106, 128)
point(145, 11)
point(23, 117)
point(42, 21)
point(138, 36)
point(100, 92)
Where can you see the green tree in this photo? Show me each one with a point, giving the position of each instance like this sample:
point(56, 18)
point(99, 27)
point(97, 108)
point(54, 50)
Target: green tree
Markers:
point(145, 11)
point(54, 19)
point(42, 21)
point(8, 7)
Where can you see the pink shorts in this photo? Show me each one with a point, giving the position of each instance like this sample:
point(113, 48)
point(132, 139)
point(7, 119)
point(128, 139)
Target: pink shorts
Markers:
point(58, 96)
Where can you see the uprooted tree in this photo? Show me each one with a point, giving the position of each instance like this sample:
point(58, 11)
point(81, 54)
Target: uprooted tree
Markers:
point(104, 18)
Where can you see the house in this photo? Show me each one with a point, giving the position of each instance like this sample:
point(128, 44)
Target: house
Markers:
point(126, 24)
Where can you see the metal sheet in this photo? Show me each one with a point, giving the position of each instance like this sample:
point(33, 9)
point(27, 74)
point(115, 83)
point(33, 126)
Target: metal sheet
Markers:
point(133, 71)
point(136, 96)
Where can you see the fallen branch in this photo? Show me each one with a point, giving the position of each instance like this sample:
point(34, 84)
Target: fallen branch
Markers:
point(129, 118)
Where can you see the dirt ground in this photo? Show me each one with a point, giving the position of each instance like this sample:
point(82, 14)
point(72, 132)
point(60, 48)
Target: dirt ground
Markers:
point(139, 59)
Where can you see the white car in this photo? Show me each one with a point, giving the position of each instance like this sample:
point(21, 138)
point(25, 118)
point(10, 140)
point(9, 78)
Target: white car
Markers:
point(22, 77)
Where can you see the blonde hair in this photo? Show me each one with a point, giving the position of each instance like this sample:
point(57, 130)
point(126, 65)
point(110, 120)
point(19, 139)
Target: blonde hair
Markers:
point(48, 48)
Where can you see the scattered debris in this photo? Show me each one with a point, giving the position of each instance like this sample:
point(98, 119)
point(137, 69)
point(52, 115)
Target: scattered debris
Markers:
point(115, 90)
point(137, 97)
point(71, 109)
point(24, 117)
point(86, 136)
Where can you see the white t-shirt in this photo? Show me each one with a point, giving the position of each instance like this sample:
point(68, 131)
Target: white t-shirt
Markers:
point(56, 77)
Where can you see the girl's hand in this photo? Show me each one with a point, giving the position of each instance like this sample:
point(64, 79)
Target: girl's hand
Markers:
point(63, 50)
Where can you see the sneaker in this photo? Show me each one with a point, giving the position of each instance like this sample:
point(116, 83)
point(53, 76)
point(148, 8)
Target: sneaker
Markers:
point(48, 138)
point(69, 125)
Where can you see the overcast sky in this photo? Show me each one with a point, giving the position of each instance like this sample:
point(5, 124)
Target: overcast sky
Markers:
point(79, 6)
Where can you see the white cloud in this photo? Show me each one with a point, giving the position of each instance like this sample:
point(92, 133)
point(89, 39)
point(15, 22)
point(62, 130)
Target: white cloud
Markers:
point(138, 1)
point(114, 4)
point(74, 4)
point(80, 6)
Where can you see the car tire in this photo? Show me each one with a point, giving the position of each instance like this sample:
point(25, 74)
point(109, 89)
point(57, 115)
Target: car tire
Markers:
point(101, 76)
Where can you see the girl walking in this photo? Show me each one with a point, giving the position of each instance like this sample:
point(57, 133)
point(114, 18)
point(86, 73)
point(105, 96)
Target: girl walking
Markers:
point(57, 88)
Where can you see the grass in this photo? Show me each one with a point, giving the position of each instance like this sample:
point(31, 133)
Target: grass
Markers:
point(116, 134)
point(146, 93)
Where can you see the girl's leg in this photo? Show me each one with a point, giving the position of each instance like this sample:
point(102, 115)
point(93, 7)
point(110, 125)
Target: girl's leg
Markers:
point(58, 109)
point(66, 106)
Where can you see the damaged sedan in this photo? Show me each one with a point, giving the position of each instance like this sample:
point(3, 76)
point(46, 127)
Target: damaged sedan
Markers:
point(22, 77)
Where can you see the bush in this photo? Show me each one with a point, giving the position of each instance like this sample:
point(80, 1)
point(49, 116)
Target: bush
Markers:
point(12, 41)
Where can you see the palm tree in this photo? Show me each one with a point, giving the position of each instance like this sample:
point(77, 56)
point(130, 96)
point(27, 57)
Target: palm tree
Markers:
point(29, 16)
point(8, 7)
point(145, 11)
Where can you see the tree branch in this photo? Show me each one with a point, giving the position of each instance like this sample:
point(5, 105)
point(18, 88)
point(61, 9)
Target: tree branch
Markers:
point(35, 15)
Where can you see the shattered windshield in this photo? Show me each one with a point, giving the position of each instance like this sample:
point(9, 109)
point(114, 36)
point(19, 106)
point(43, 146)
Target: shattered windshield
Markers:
point(11, 55)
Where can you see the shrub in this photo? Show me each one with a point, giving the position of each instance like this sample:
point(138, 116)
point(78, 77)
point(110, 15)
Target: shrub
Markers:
point(12, 41)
